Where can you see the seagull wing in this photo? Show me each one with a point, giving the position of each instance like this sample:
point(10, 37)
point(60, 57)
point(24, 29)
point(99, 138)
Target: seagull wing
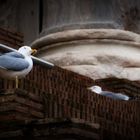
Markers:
point(117, 96)
point(108, 94)
point(122, 96)
point(15, 54)
point(13, 61)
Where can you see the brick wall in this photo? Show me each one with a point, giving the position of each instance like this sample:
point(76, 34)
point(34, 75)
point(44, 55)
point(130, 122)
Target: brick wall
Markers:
point(64, 94)
point(11, 38)
point(59, 93)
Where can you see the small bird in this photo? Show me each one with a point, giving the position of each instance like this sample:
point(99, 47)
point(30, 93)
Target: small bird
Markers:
point(16, 64)
point(117, 96)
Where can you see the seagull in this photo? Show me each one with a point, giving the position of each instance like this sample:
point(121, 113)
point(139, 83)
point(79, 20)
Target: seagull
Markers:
point(16, 64)
point(116, 96)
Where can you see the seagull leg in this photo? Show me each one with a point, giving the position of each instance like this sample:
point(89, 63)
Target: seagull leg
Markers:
point(17, 81)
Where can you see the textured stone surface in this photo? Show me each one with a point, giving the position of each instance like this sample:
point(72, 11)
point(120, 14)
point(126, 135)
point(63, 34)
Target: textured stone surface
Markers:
point(50, 129)
point(34, 18)
point(97, 53)
point(20, 16)
point(10, 38)
point(58, 94)
point(83, 34)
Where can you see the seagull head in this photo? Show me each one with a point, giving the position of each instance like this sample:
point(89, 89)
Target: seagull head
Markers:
point(95, 89)
point(26, 50)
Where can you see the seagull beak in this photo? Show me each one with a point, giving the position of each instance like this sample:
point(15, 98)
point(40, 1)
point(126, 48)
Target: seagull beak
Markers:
point(33, 51)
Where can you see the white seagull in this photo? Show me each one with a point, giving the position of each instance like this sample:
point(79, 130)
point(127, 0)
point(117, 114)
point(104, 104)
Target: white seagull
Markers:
point(16, 64)
point(117, 96)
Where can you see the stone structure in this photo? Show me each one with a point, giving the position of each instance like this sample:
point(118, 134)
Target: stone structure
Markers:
point(10, 38)
point(56, 104)
point(69, 38)
point(96, 53)
point(20, 16)
point(84, 36)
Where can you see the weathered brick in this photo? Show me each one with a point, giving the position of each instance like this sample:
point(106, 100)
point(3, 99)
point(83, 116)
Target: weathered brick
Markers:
point(64, 94)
